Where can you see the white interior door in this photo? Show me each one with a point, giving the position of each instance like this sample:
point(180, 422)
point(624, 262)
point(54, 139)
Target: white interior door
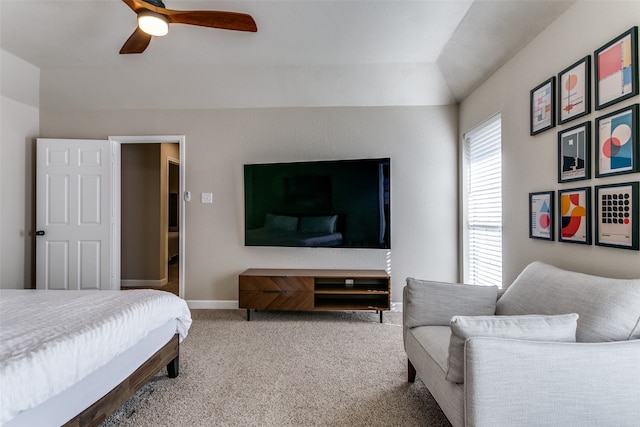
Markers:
point(73, 214)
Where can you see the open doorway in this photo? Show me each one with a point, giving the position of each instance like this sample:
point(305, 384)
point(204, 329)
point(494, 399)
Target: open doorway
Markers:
point(150, 233)
point(173, 221)
point(150, 179)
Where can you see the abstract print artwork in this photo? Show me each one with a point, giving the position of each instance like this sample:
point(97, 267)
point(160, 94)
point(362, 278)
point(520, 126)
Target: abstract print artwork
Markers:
point(617, 142)
point(574, 219)
point(616, 69)
point(574, 149)
point(542, 99)
point(573, 84)
point(541, 215)
point(617, 215)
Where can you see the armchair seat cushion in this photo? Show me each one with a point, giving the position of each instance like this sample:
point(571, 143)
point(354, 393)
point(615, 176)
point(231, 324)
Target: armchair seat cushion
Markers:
point(433, 341)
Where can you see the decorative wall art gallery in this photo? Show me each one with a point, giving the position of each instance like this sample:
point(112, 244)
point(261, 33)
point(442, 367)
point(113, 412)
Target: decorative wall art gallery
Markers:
point(616, 147)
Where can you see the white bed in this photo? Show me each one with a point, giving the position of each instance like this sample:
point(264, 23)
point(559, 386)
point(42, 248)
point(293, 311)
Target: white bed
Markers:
point(70, 355)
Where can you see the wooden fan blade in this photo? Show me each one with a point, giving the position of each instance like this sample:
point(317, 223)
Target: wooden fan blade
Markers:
point(212, 19)
point(204, 18)
point(136, 43)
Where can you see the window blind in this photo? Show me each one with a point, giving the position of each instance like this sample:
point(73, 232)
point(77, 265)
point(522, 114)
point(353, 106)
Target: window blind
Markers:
point(483, 204)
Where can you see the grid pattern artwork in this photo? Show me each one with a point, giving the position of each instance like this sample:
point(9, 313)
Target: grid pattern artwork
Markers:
point(617, 212)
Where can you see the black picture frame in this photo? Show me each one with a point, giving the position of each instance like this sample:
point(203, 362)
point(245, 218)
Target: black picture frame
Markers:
point(617, 215)
point(574, 153)
point(542, 114)
point(616, 69)
point(574, 215)
point(574, 91)
point(541, 215)
point(617, 142)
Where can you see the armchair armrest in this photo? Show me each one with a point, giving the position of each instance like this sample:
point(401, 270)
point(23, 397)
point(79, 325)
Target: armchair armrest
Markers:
point(518, 383)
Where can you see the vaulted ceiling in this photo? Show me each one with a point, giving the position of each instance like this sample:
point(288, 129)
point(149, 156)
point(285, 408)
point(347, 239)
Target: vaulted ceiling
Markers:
point(464, 41)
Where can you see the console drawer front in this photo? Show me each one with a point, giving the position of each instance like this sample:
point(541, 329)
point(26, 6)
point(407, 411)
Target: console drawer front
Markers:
point(276, 283)
point(276, 300)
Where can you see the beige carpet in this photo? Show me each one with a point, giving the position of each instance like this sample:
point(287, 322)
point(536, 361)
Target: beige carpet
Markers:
point(286, 369)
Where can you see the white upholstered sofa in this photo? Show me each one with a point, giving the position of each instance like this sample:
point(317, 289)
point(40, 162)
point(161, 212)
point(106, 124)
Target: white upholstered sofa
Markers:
point(557, 348)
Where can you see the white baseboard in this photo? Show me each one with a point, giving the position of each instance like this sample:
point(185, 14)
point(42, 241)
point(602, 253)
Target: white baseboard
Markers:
point(396, 306)
point(143, 283)
point(212, 304)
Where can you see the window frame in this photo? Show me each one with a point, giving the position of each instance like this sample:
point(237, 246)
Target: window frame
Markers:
point(485, 127)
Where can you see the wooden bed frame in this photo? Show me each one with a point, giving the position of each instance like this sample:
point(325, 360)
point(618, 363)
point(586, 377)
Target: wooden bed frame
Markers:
point(100, 410)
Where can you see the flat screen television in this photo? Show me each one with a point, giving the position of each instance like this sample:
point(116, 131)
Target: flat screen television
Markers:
point(327, 204)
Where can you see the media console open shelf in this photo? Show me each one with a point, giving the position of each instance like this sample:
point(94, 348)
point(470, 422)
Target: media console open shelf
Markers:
point(298, 289)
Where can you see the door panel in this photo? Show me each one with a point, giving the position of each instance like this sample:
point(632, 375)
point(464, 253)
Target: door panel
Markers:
point(89, 264)
point(73, 214)
point(90, 199)
point(58, 207)
point(57, 265)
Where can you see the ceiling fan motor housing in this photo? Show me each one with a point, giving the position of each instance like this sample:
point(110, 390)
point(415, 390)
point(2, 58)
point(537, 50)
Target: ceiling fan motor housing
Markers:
point(157, 3)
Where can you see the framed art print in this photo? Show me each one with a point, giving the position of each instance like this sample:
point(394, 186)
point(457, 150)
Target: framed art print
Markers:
point(574, 153)
point(542, 98)
point(617, 215)
point(617, 142)
point(574, 219)
point(616, 69)
point(574, 98)
point(541, 215)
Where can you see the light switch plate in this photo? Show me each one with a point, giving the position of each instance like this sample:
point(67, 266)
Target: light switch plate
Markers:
point(207, 197)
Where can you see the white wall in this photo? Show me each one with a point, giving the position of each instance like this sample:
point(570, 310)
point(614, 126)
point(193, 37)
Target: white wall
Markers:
point(243, 86)
point(421, 142)
point(19, 107)
point(530, 162)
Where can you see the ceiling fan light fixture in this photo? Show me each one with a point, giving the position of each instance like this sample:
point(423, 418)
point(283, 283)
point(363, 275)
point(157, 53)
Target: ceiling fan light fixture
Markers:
point(153, 23)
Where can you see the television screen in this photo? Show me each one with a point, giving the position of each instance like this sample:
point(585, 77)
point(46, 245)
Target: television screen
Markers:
point(331, 203)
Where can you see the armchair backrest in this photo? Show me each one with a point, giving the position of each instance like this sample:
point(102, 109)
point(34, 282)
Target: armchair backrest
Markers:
point(609, 309)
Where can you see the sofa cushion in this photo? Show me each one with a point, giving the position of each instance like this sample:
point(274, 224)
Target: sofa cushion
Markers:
point(532, 327)
point(435, 303)
point(609, 309)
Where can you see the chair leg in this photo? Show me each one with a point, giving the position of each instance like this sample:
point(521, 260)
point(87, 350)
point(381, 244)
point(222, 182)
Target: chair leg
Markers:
point(411, 372)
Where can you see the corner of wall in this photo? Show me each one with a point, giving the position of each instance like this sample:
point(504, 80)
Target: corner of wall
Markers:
point(19, 80)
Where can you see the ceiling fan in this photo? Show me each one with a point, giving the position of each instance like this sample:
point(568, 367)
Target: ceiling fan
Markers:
point(154, 20)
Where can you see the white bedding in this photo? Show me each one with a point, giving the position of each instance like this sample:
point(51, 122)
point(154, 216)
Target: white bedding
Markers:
point(49, 340)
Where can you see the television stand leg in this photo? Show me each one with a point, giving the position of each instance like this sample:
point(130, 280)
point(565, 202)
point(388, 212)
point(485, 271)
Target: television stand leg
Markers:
point(248, 314)
point(381, 316)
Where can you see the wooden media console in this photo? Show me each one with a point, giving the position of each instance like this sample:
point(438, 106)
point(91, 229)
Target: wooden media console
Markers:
point(298, 289)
